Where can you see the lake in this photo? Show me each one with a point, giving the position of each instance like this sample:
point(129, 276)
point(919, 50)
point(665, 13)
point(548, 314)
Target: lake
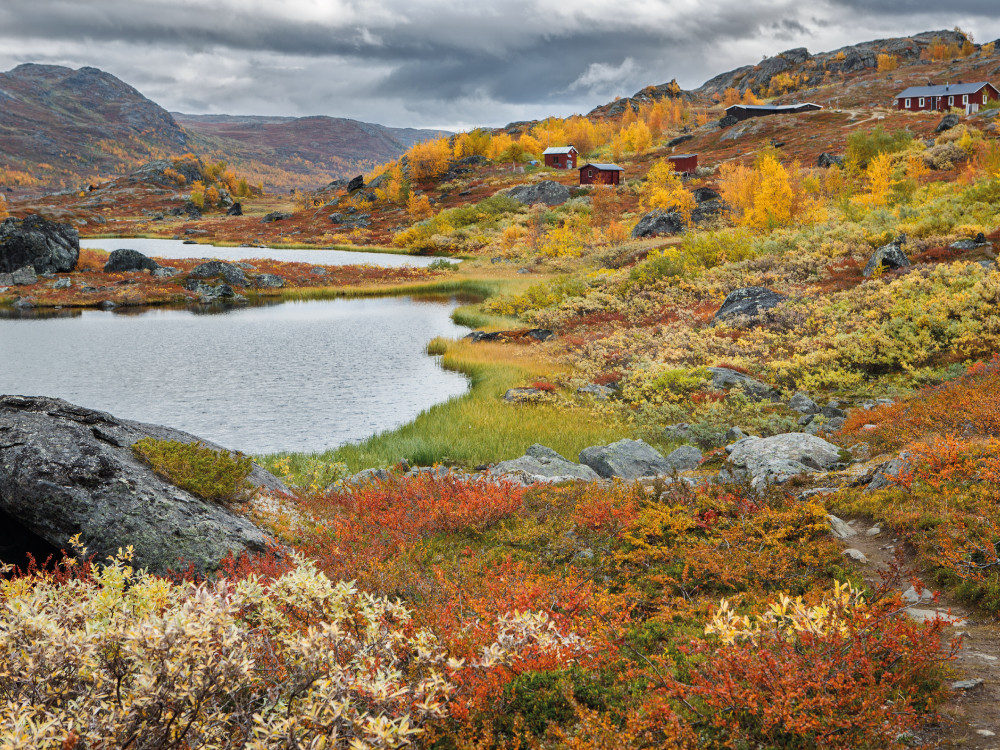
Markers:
point(177, 249)
point(295, 376)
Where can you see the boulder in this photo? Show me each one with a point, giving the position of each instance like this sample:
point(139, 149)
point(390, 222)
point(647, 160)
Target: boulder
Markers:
point(778, 458)
point(679, 431)
point(658, 222)
point(232, 274)
point(367, 476)
point(356, 183)
point(548, 192)
point(235, 210)
point(517, 395)
point(268, 280)
point(896, 467)
point(63, 283)
point(744, 306)
point(65, 469)
point(972, 243)
point(124, 260)
point(679, 140)
point(46, 246)
point(724, 378)
point(275, 216)
point(164, 272)
point(21, 277)
point(336, 218)
point(949, 121)
point(685, 458)
point(708, 210)
point(705, 194)
point(890, 257)
point(542, 464)
point(801, 403)
point(727, 121)
point(600, 392)
point(840, 528)
point(828, 160)
point(627, 459)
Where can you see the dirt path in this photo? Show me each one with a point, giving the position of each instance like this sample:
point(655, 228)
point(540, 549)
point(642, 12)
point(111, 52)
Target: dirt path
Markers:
point(971, 717)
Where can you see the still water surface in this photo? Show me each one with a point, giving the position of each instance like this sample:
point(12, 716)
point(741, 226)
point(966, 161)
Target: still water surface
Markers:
point(177, 249)
point(296, 376)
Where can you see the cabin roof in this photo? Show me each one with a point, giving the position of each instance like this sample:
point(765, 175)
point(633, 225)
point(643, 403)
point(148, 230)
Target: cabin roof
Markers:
point(681, 156)
point(952, 89)
point(558, 150)
point(773, 107)
point(603, 167)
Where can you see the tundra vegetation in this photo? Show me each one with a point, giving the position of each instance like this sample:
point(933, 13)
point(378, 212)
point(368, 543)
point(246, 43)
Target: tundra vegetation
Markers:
point(448, 612)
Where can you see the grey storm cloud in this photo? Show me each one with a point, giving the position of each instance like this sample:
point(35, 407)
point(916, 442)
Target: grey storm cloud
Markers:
point(439, 63)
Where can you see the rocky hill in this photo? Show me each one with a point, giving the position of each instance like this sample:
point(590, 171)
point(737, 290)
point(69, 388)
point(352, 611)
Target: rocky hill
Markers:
point(809, 70)
point(59, 125)
point(61, 128)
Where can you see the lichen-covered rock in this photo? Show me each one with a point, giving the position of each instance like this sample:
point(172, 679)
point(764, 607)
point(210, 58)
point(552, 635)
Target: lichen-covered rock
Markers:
point(46, 246)
point(548, 192)
point(268, 280)
point(626, 459)
point(889, 256)
point(778, 458)
point(949, 121)
point(542, 464)
point(801, 403)
point(232, 274)
point(685, 458)
point(125, 259)
point(66, 470)
point(658, 222)
point(744, 306)
point(724, 378)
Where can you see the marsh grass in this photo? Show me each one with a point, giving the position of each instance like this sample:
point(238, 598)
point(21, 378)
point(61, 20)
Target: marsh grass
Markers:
point(479, 427)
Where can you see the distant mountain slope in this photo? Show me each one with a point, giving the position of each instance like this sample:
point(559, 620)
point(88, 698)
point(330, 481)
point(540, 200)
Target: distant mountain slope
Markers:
point(59, 125)
point(812, 70)
point(298, 151)
point(62, 128)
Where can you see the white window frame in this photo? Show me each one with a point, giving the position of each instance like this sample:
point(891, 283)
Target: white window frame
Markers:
point(590, 173)
point(908, 103)
point(920, 102)
point(965, 98)
point(951, 101)
point(985, 97)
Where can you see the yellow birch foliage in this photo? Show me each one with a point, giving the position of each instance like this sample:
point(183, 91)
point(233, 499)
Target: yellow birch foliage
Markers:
point(429, 159)
point(419, 207)
point(766, 196)
point(4, 213)
point(664, 189)
point(878, 181)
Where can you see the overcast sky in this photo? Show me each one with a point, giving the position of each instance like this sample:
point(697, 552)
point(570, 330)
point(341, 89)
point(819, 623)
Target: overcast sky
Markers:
point(453, 64)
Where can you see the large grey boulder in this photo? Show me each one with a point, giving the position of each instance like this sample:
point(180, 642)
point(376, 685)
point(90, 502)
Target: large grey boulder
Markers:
point(542, 464)
point(124, 260)
point(549, 192)
point(778, 458)
point(658, 222)
point(626, 459)
point(685, 458)
point(886, 473)
point(232, 274)
point(724, 378)
point(46, 246)
point(744, 306)
point(826, 160)
point(65, 470)
point(801, 403)
point(949, 121)
point(889, 256)
point(24, 276)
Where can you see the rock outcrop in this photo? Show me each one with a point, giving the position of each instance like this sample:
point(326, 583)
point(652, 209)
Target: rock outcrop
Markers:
point(542, 464)
point(658, 222)
point(213, 269)
point(723, 378)
point(67, 470)
point(626, 459)
point(744, 306)
point(889, 257)
point(778, 458)
point(126, 259)
point(548, 192)
point(46, 246)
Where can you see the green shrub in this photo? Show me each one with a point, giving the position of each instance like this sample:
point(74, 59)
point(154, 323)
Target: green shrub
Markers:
point(217, 476)
point(865, 145)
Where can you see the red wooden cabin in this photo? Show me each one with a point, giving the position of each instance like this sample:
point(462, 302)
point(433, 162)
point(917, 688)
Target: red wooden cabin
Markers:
point(968, 96)
point(600, 174)
point(560, 157)
point(684, 163)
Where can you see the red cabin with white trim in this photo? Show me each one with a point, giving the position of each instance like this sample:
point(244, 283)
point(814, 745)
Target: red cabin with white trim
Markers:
point(560, 157)
point(600, 174)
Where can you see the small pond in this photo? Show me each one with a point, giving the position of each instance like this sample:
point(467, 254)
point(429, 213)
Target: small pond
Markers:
point(295, 376)
point(177, 249)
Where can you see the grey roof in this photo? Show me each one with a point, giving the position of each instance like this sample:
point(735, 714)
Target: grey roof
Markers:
point(954, 89)
point(773, 107)
point(558, 150)
point(605, 167)
point(680, 156)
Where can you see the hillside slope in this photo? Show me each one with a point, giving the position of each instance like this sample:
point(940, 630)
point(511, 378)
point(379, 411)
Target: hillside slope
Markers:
point(59, 126)
point(291, 152)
